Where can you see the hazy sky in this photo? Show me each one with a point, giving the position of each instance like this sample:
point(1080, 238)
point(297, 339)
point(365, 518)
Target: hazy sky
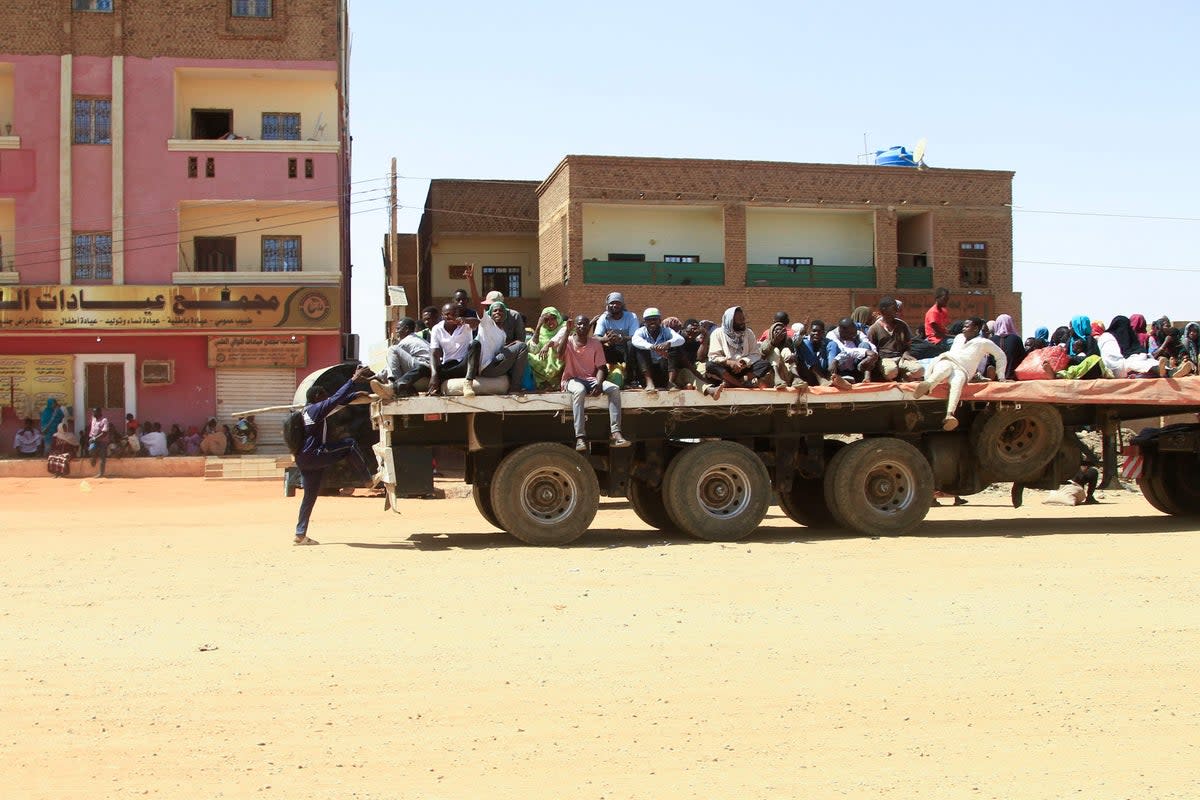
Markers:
point(1092, 105)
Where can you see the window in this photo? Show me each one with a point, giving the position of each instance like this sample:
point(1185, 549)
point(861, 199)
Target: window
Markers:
point(791, 262)
point(251, 8)
point(308, 168)
point(291, 167)
point(211, 123)
point(281, 125)
point(281, 254)
point(91, 257)
point(93, 118)
point(91, 5)
point(681, 259)
point(972, 263)
point(210, 168)
point(506, 280)
point(216, 253)
point(193, 166)
point(626, 256)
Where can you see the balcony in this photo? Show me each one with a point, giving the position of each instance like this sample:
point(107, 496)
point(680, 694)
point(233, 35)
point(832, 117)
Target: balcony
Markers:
point(914, 278)
point(813, 276)
point(653, 273)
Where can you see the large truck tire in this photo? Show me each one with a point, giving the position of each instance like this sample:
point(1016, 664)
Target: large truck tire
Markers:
point(483, 502)
point(545, 494)
point(1013, 444)
point(879, 486)
point(805, 503)
point(1170, 482)
point(717, 491)
point(647, 503)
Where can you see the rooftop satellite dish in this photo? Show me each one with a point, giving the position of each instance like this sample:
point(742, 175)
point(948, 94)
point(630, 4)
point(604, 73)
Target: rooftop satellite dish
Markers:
point(919, 153)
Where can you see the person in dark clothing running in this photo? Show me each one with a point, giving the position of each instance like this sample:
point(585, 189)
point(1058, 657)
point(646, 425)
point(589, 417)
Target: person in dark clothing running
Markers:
point(318, 455)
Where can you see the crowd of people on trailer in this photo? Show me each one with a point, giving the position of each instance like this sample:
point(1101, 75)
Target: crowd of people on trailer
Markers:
point(614, 350)
point(54, 433)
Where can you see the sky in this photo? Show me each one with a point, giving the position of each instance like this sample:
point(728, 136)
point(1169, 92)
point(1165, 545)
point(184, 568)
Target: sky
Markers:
point(1091, 105)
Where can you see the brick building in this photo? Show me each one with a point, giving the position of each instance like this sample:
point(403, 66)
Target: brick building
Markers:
point(695, 236)
point(174, 189)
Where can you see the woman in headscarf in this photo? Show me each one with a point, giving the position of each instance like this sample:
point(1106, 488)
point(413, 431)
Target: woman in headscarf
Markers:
point(1062, 337)
point(1004, 334)
point(52, 416)
point(1138, 323)
point(862, 318)
point(544, 360)
point(1083, 343)
point(1120, 351)
point(1191, 342)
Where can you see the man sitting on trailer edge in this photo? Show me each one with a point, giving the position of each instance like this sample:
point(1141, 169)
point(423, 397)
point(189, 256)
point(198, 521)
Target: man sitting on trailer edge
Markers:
point(585, 370)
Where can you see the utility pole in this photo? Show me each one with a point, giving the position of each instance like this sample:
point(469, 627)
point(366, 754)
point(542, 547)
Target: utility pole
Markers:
point(393, 250)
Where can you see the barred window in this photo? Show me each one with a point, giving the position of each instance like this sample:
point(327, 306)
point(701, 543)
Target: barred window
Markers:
point(91, 257)
point(505, 280)
point(280, 125)
point(281, 254)
point(93, 120)
point(973, 263)
point(251, 8)
point(91, 5)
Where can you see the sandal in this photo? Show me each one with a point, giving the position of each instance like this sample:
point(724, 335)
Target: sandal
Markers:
point(303, 540)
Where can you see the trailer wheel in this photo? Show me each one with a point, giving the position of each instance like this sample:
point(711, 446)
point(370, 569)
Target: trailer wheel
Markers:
point(805, 503)
point(545, 494)
point(1012, 444)
point(648, 504)
point(717, 491)
point(1166, 488)
point(879, 486)
point(483, 503)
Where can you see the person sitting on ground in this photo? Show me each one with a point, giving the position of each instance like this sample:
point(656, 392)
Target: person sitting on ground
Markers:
point(937, 321)
point(155, 442)
point(317, 455)
point(27, 441)
point(659, 352)
point(175, 439)
point(449, 344)
point(66, 440)
point(544, 362)
point(960, 364)
point(585, 369)
point(1079, 490)
point(191, 441)
point(780, 316)
point(1005, 335)
point(408, 361)
point(734, 359)
point(488, 355)
point(1122, 356)
point(131, 425)
point(851, 353)
point(614, 329)
point(215, 441)
point(430, 316)
point(892, 338)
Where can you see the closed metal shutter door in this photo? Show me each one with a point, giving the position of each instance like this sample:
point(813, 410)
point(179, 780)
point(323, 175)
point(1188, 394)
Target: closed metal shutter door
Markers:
point(244, 389)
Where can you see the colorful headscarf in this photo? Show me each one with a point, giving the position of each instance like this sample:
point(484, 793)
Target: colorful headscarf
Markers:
point(1004, 325)
point(1122, 331)
point(1042, 333)
point(1138, 323)
point(1081, 328)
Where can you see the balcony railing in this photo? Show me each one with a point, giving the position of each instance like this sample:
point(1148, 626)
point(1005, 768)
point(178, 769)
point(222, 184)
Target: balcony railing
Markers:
point(813, 276)
point(653, 273)
point(914, 278)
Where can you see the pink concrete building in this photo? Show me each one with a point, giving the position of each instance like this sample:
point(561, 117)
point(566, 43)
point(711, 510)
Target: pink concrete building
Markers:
point(174, 205)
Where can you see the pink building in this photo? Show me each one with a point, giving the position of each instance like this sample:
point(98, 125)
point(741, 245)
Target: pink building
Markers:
point(174, 206)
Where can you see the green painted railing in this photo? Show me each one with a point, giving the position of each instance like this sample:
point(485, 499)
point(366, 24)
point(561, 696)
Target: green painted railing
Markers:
point(653, 273)
point(810, 277)
point(914, 278)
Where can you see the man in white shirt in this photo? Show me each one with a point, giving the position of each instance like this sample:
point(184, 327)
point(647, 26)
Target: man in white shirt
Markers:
point(960, 364)
point(155, 442)
point(28, 441)
point(449, 342)
point(734, 358)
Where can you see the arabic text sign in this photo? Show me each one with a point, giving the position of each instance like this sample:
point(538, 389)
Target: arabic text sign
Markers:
point(257, 351)
point(27, 381)
point(128, 307)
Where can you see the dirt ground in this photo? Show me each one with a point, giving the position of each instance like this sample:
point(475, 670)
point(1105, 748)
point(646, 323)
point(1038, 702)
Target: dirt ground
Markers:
point(162, 637)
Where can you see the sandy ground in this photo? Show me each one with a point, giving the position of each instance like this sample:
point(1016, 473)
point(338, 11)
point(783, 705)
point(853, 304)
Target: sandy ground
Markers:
point(162, 637)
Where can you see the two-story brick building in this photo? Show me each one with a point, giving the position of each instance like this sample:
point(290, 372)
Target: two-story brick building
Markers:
point(174, 189)
point(695, 236)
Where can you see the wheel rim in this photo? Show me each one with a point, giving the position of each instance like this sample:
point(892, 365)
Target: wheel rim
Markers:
point(549, 495)
point(723, 491)
point(1018, 438)
point(889, 487)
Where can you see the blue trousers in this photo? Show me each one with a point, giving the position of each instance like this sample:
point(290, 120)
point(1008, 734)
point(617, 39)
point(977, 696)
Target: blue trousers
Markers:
point(312, 470)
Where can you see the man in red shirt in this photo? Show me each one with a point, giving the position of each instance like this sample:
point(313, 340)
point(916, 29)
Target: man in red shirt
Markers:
point(584, 371)
point(937, 318)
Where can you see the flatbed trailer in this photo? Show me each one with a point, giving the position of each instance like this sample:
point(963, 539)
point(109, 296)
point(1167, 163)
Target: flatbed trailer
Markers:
point(711, 469)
